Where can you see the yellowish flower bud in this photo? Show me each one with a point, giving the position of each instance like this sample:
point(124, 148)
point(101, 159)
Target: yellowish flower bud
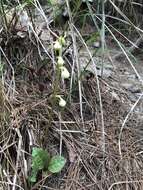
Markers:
point(57, 46)
point(62, 102)
point(62, 40)
point(60, 61)
point(64, 73)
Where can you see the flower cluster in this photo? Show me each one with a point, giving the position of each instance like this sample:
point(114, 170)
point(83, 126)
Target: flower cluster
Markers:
point(64, 73)
point(58, 46)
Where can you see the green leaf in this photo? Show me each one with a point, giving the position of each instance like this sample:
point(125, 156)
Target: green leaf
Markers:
point(56, 164)
point(33, 176)
point(40, 160)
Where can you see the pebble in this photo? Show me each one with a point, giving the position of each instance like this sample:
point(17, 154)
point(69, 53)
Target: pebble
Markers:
point(135, 89)
point(127, 86)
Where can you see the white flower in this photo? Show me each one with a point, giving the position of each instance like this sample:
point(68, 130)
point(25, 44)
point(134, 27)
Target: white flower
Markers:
point(60, 61)
point(62, 102)
point(64, 73)
point(57, 45)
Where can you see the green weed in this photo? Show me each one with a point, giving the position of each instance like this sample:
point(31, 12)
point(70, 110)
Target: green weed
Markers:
point(42, 161)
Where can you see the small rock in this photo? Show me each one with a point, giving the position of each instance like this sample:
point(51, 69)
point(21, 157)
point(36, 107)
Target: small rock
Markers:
point(127, 86)
point(106, 73)
point(132, 98)
point(115, 96)
point(126, 73)
point(134, 89)
point(132, 76)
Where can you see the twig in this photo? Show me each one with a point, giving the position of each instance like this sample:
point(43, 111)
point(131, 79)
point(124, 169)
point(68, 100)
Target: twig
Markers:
point(18, 158)
point(125, 120)
point(76, 60)
point(124, 182)
point(131, 49)
point(98, 87)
